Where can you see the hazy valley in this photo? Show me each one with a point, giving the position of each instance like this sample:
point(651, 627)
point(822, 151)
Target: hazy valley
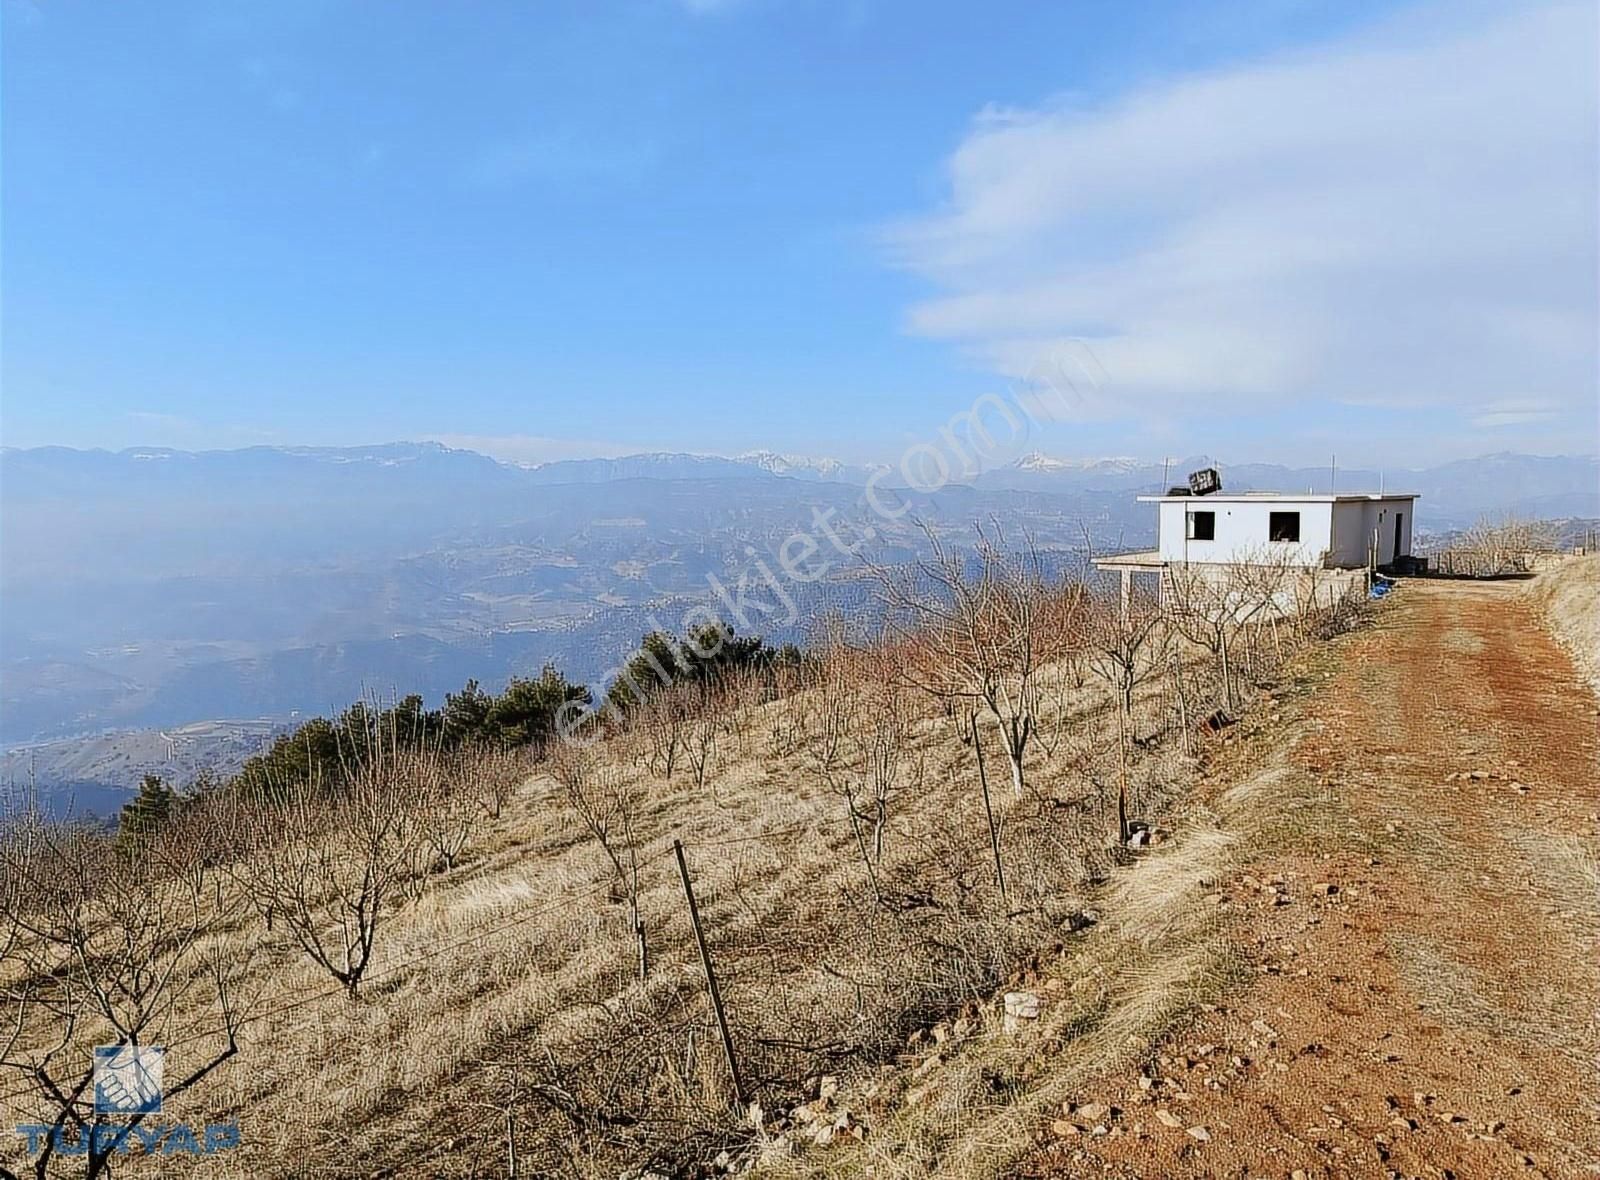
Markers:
point(149, 589)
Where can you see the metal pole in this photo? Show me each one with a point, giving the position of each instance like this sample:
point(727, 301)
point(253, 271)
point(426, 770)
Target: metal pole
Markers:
point(711, 976)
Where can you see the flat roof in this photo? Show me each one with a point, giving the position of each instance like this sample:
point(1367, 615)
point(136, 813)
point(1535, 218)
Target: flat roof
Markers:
point(1296, 497)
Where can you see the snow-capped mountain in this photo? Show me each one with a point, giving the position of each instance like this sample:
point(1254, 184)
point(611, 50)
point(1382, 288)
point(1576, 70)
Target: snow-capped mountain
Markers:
point(798, 465)
point(1039, 461)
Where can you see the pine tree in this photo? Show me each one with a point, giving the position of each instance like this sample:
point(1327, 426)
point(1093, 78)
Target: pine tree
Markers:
point(148, 810)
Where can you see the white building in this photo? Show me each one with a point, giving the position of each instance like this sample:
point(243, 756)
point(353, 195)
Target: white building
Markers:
point(1319, 532)
point(1332, 532)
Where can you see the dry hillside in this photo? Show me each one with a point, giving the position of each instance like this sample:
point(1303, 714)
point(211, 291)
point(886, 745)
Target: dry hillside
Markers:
point(894, 1013)
point(1569, 594)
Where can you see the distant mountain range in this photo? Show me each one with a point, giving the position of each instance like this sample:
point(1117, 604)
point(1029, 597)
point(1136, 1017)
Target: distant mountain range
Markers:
point(1453, 493)
point(153, 587)
point(1498, 482)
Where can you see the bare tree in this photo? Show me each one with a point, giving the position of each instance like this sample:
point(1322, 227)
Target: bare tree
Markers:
point(664, 719)
point(1124, 639)
point(1065, 622)
point(490, 774)
point(1265, 594)
point(835, 700)
point(331, 868)
point(446, 804)
point(982, 634)
point(1507, 544)
point(789, 720)
point(1203, 603)
point(607, 802)
point(878, 746)
point(707, 723)
point(110, 945)
point(886, 730)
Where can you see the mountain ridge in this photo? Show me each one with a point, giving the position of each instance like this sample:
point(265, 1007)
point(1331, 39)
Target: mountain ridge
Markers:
point(1571, 472)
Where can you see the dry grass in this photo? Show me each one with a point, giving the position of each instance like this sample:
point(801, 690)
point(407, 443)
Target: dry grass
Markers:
point(1569, 594)
point(1464, 997)
point(510, 982)
point(1157, 956)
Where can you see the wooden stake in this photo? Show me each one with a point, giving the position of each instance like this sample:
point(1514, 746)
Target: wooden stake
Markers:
point(861, 843)
point(1183, 704)
point(988, 810)
point(711, 977)
point(1122, 779)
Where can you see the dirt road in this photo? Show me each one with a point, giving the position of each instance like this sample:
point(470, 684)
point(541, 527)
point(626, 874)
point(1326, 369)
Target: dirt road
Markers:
point(1420, 970)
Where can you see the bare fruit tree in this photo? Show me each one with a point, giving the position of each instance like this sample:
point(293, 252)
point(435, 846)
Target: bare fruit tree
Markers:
point(1125, 641)
point(445, 805)
point(834, 699)
point(981, 634)
point(490, 774)
point(1066, 623)
point(705, 728)
point(1266, 593)
point(1504, 545)
point(883, 736)
point(788, 721)
point(664, 719)
point(1204, 605)
point(332, 868)
point(108, 944)
point(607, 803)
point(877, 765)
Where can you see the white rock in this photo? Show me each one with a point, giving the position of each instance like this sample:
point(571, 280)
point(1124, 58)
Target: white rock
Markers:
point(1023, 1005)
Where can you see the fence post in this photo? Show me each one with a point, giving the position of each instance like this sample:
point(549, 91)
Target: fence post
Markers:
point(1183, 704)
point(988, 810)
point(711, 977)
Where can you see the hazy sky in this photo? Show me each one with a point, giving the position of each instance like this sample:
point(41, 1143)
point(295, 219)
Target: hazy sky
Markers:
point(1279, 228)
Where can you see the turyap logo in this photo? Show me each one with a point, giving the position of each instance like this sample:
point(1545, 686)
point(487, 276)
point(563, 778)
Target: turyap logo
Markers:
point(128, 1083)
point(127, 1079)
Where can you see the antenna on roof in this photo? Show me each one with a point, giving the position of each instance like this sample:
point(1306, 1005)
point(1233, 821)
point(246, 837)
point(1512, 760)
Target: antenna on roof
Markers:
point(1333, 475)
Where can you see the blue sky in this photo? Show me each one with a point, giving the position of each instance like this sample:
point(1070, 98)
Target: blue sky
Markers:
point(555, 229)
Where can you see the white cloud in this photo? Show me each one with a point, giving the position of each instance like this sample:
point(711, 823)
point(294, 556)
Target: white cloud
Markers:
point(1407, 218)
point(1515, 411)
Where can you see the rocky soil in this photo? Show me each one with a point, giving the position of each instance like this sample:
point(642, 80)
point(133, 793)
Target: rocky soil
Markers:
point(1419, 959)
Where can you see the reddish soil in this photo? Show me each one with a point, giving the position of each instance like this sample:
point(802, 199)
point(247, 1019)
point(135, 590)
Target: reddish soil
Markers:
point(1436, 1015)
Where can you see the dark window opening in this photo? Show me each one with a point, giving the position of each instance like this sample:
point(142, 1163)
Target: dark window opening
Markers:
point(1283, 526)
point(1202, 526)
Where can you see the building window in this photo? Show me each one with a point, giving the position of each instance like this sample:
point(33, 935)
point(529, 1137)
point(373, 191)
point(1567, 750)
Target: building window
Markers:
point(1202, 526)
point(1283, 526)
